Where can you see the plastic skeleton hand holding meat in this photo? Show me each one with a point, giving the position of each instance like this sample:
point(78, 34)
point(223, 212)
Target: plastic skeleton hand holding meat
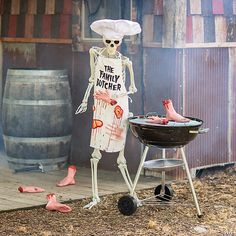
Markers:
point(104, 28)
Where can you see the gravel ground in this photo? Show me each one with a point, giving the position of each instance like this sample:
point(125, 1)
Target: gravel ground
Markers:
point(216, 194)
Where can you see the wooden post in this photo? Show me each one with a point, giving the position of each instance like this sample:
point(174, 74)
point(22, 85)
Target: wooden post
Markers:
point(174, 23)
point(231, 103)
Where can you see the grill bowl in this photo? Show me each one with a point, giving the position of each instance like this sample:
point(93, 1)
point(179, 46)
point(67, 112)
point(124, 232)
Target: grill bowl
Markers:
point(172, 135)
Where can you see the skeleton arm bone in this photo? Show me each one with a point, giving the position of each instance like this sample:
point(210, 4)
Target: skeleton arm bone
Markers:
point(132, 87)
point(83, 106)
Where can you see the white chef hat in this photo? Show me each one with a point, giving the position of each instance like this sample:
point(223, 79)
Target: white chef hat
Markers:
point(115, 29)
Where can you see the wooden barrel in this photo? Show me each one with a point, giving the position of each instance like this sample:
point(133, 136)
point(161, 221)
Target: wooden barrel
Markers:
point(37, 118)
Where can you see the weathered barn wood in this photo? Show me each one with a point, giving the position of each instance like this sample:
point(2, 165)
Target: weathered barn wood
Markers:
point(217, 7)
point(209, 29)
point(234, 6)
point(195, 7)
point(148, 22)
point(15, 7)
point(158, 7)
point(50, 7)
point(198, 30)
point(174, 21)
point(32, 7)
point(220, 29)
point(37, 19)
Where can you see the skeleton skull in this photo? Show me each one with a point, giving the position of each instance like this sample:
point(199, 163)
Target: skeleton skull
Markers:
point(111, 45)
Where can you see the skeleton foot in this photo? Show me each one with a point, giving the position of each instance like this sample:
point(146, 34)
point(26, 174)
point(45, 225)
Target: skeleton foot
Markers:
point(93, 203)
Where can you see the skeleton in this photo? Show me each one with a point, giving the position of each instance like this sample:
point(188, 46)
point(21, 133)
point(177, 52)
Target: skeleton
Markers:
point(109, 51)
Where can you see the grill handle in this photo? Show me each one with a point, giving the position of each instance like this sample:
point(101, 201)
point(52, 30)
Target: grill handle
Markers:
point(151, 113)
point(200, 131)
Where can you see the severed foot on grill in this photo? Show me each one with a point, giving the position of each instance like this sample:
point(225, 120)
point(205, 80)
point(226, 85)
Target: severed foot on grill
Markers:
point(69, 179)
point(30, 189)
point(157, 120)
point(53, 205)
point(171, 114)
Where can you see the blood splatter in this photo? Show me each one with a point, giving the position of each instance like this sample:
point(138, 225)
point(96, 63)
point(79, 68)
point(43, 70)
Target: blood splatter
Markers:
point(118, 112)
point(97, 123)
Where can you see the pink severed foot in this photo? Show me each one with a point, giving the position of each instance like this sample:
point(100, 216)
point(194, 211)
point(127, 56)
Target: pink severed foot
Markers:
point(69, 179)
point(30, 189)
point(53, 205)
point(171, 114)
point(157, 120)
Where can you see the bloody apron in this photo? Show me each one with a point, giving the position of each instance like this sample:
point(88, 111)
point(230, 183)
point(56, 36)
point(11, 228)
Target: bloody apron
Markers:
point(109, 124)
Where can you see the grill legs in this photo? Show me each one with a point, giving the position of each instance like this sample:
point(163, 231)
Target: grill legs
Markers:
point(127, 205)
point(190, 182)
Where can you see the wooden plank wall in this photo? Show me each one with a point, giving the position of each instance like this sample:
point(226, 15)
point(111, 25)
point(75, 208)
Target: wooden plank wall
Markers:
point(36, 19)
point(208, 23)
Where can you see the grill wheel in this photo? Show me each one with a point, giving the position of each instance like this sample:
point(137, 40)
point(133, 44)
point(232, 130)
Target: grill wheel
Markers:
point(166, 195)
point(127, 205)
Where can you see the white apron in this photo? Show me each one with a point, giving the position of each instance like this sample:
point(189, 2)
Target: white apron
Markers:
point(109, 124)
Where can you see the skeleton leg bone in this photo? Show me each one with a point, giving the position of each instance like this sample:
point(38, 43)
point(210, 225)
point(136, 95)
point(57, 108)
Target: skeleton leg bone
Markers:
point(96, 156)
point(121, 161)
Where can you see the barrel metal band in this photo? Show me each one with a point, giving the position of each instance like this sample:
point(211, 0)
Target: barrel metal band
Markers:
point(31, 80)
point(36, 102)
point(35, 161)
point(37, 140)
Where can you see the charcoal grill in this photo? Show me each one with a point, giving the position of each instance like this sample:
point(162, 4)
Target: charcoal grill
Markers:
point(171, 135)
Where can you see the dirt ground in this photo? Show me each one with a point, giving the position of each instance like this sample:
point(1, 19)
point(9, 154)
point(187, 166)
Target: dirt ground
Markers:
point(217, 198)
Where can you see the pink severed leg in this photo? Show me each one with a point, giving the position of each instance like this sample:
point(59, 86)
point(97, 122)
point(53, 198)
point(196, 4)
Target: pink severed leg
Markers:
point(157, 120)
point(70, 178)
point(171, 114)
point(53, 205)
point(30, 189)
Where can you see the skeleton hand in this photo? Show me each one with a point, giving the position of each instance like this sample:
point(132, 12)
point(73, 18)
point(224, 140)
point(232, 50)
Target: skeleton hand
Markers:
point(132, 89)
point(81, 108)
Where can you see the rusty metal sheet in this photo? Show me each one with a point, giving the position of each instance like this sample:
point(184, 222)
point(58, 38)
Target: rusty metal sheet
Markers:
point(162, 80)
point(206, 96)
